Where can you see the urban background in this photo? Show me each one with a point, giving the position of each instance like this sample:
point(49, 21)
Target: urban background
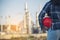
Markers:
point(19, 20)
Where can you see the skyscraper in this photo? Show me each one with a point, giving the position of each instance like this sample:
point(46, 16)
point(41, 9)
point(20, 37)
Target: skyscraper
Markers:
point(27, 19)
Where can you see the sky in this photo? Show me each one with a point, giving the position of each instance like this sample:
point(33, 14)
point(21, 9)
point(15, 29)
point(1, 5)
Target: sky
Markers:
point(15, 10)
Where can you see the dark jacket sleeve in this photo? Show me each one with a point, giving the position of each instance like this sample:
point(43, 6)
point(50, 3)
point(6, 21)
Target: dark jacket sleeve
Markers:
point(42, 14)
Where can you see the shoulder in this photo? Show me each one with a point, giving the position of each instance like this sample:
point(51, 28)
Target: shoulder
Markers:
point(48, 4)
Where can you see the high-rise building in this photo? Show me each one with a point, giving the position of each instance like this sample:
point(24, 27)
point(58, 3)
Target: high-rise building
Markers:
point(27, 19)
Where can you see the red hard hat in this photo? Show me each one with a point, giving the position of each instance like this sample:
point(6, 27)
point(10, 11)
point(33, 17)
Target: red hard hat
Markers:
point(47, 22)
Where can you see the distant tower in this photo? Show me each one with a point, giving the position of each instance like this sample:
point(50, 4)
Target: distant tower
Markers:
point(36, 20)
point(37, 23)
point(27, 20)
point(27, 17)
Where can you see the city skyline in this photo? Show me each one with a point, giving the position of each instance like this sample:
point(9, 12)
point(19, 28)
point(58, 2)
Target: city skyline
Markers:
point(15, 9)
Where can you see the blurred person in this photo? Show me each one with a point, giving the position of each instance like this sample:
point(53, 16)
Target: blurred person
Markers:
point(52, 9)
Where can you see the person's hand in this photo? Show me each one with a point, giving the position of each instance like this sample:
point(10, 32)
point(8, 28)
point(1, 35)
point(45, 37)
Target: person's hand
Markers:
point(45, 28)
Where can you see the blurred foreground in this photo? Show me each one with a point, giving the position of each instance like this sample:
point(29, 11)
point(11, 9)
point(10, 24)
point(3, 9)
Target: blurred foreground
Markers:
point(23, 36)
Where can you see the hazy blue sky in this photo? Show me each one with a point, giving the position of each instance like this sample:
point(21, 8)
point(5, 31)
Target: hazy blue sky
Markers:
point(15, 9)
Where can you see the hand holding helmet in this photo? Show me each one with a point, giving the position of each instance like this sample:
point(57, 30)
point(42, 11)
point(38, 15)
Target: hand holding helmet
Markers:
point(47, 22)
